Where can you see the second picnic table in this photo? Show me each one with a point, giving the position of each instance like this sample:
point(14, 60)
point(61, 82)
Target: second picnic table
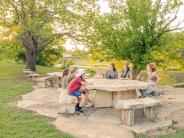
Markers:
point(109, 92)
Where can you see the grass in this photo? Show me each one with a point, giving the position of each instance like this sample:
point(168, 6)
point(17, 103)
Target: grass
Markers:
point(16, 123)
point(178, 134)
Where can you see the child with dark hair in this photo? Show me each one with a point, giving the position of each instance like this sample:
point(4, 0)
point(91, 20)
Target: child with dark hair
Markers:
point(125, 73)
point(112, 72)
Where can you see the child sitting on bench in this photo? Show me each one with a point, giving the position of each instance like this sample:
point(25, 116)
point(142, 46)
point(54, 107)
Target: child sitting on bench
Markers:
point(153, 79)
point(74, 89)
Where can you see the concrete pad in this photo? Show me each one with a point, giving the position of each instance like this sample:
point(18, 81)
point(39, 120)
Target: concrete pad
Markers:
point(109, 115)
point(142, 128)
point(43, 101)
point(85, 129)
point(103, 122)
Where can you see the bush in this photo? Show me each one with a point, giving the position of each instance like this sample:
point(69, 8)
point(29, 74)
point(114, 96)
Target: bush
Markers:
point(91, 72)
point(47, 57)
point(66, 63)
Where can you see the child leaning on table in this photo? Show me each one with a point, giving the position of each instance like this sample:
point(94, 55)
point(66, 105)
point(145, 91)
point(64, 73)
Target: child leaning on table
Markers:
point(74, 89)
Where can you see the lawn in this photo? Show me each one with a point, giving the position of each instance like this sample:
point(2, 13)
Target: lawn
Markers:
point(16, 123)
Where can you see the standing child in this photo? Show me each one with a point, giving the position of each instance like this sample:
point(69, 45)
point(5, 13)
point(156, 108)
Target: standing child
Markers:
point(74, 90)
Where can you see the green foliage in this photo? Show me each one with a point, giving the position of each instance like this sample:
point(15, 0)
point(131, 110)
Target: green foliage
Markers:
point(132, 30)
point(170, 55)
point(40, 24)
point(166, 79)
point(90, 71)
point(80, 53)
point(49, 56)
point(66, 63)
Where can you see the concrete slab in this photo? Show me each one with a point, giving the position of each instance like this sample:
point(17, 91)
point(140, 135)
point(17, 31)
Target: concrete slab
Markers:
point(103, 122)
point(85, 129)
point(106, 115)
point(142, 128)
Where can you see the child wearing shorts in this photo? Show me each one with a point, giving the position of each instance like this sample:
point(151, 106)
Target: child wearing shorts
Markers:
point(74, 89)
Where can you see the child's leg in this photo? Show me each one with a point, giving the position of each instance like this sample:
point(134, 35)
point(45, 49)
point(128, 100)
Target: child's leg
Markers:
point(86, 93)
point(149, 90)
point(81, 100)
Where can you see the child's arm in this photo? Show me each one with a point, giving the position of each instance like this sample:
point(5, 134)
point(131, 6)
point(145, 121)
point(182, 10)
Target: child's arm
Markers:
point(158, 77)
point(84, 83)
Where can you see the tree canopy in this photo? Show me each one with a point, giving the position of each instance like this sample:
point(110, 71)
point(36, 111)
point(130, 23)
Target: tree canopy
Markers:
point(133, 29)
point(39, 23)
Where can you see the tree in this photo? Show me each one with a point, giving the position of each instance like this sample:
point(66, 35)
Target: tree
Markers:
point(40, 22)
point(170, 55)
point(133, 29)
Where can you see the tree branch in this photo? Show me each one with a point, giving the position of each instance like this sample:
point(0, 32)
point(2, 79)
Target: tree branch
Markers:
point(11, 2)
point(57, 36)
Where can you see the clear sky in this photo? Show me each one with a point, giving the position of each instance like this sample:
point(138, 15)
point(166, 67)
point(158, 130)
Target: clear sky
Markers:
point(70, 45)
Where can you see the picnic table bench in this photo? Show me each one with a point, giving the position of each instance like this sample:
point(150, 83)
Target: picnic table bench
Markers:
point(27, 72)
point(45, 82)
point(33, 76)
point(49, 81)
point(57, 76)
point(66, 102)
point(129, 106)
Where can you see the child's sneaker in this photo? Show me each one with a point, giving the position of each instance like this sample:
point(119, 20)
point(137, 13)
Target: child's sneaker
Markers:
point(80, 112)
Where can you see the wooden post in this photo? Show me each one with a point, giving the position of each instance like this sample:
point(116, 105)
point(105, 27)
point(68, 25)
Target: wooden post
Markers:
point(128, 117)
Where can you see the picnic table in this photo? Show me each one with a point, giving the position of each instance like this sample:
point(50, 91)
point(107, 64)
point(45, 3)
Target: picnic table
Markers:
point(109, 92)
point(57, 76)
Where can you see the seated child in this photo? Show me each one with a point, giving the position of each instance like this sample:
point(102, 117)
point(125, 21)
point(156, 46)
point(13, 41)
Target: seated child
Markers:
point(125, 72)
point(153, 79)
point(74, 89)
point(99, 74)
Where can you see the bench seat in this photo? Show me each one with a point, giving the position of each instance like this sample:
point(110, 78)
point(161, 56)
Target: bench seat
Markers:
point(33, 76)
point(27, 72)
point(45, 82)
point(66, 102)
point(129, 106)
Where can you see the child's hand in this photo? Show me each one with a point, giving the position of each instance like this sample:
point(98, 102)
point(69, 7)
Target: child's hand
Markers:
point(84, 83)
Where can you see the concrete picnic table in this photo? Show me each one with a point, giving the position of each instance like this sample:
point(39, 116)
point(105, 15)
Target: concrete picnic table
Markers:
point(57, 75)
point(109, 92)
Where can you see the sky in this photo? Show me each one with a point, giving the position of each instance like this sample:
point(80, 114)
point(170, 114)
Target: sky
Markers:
point(70, 45)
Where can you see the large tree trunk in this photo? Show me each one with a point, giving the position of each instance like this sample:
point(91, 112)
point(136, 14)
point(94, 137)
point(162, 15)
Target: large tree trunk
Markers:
point(31, 47)
point(31, 60)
